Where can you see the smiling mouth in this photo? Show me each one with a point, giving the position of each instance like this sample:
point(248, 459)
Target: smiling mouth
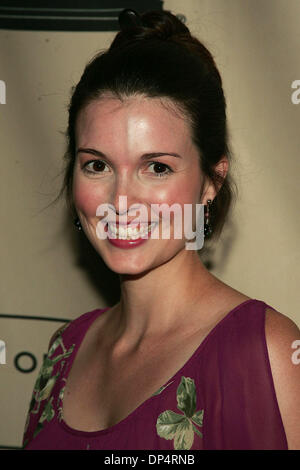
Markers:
point(124, 232)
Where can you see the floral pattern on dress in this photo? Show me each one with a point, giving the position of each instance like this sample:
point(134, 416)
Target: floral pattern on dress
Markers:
point(44, 385)
point(161, 389)
point(178, 426)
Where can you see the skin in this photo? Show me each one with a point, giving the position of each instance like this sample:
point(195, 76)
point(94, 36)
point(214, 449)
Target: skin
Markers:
point(161, 278)
point(148, 273)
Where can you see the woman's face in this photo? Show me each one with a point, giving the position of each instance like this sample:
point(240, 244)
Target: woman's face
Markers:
point(115, 144)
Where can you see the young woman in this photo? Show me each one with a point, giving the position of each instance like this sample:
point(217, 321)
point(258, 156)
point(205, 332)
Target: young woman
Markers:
point(182, 361)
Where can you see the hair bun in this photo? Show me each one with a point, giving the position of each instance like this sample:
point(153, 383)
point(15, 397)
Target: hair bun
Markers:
point(163, 24)
point(128, 19)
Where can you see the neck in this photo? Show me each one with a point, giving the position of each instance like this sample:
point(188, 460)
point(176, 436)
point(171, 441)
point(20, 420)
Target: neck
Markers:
point(156, 302)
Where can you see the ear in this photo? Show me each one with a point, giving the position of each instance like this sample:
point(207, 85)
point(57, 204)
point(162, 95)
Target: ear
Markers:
point(210, 191)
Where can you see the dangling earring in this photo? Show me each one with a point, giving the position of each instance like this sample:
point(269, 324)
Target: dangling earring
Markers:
point(207, 226)
point(77, 223)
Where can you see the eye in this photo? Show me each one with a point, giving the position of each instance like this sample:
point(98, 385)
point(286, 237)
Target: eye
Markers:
point(162, 169)
point(98, 166)
point(94, 166)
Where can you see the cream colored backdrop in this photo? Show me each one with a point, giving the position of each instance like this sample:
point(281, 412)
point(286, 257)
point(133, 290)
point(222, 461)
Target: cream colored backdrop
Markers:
point(256, 46)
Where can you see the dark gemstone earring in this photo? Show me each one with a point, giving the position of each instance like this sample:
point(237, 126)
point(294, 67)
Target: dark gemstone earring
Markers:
point(207, 226)
point(77, 223)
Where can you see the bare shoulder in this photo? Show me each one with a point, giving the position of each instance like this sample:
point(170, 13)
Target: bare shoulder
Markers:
point(275, 320)
point(283, 343)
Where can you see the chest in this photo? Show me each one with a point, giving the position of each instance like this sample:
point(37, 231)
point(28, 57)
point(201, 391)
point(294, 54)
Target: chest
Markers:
point(101, 392)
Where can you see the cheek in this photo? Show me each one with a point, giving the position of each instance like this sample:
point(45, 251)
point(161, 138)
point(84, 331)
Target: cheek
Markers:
point(172, 195)
point(87, 197)
point(181, 191)
point(186, 191)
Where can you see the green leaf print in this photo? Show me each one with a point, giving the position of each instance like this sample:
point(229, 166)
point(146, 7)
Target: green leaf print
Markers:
point(44, 385)
point(198, 418)
point(186, 396)
point(48, 412)
point(161, 389)
point(184, 436)
point(181, 427)
point(167, 424)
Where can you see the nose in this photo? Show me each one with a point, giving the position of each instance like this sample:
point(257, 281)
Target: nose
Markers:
point(125, 195)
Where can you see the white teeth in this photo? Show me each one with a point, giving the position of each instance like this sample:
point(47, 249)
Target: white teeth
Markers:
point(130, 233)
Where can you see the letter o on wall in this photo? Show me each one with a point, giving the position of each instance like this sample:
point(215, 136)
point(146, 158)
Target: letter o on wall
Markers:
point(21, 369)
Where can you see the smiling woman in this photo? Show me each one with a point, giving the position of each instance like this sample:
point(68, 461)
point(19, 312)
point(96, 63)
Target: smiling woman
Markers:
point(126, 169)
point(182, 361)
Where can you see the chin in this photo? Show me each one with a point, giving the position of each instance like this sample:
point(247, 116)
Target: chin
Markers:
point(128, 267)
point(136, 261)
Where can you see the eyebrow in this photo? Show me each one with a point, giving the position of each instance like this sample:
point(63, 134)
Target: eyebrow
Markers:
point(145, 156)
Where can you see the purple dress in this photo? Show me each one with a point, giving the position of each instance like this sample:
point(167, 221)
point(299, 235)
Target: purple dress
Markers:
point(222, 398)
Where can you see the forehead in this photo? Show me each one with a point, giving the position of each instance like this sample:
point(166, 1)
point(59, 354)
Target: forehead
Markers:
point(137, 114)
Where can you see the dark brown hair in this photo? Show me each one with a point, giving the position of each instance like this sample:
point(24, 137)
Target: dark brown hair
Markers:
point(162, 59)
